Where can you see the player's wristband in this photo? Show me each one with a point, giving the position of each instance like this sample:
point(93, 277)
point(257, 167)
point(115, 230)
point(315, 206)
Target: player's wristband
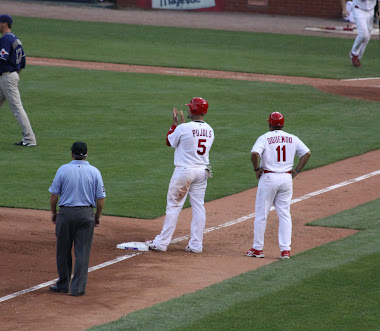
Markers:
point(297, 171)
point(256, 169)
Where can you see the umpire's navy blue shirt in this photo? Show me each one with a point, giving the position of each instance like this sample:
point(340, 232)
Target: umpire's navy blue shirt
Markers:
point(78, 184)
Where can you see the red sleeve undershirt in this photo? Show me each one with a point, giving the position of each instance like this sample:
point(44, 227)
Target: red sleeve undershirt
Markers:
point(171, 130)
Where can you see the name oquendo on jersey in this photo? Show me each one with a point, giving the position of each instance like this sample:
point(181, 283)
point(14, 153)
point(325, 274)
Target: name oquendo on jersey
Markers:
point(192, 142)
point(277, 150)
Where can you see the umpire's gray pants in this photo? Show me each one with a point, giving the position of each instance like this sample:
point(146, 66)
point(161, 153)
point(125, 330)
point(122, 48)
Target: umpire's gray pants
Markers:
point(74, 225)
point(9, 91)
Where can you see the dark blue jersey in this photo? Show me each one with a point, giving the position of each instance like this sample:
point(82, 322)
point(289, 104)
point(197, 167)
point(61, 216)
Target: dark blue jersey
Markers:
point(12, 56)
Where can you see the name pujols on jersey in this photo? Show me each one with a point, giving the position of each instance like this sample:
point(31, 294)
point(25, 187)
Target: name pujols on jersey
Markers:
point(280, 140)
point(202, 133)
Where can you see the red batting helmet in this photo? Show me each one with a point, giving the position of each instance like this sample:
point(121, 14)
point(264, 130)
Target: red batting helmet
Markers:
point(198, 106)
point(276, 119)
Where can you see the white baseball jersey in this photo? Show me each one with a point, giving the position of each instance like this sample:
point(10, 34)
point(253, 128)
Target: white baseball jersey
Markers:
point(365, 4)
point(192, 142)
point(277, 150)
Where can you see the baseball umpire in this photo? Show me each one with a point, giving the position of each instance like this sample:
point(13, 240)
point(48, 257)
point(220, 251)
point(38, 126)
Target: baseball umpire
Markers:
point(12, 61)
point(192, 142)
point(80, 188)
point(276, 149)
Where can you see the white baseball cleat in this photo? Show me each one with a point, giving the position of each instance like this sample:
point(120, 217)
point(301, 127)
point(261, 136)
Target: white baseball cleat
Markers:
point(189, 250)
point(152, 246)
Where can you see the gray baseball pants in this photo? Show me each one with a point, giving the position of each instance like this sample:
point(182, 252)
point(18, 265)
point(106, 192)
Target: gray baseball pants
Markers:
point(75, 225)
point(9, 91)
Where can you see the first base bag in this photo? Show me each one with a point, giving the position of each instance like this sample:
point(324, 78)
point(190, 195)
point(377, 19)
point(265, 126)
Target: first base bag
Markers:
point(134, 246)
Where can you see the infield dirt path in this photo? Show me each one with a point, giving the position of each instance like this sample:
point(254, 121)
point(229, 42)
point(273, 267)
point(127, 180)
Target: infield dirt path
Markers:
point(27, 250)
point(27, 245)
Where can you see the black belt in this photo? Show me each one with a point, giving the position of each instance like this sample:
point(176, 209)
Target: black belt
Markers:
point(272, 172)
point(5, 73)
point(75, 207)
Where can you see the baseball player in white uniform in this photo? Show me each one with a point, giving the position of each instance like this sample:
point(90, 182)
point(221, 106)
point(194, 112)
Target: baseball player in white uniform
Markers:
point(277, 150)
point(192, 142)
point(363, 13)
point(349, 17)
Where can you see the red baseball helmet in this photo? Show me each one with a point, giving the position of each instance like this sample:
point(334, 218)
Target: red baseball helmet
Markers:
point(276, 119)
point(198, 106)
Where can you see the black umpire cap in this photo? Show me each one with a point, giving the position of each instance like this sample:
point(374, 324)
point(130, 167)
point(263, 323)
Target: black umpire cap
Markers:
point(79, 148)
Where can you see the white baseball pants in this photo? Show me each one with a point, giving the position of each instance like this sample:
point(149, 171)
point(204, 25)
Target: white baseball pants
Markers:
point(364, 23)
point(9, 91)
point(274, 189)
point(185, 181)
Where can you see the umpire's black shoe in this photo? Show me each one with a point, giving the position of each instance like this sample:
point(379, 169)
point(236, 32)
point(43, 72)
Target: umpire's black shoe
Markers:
point(55, 288)
point(77, 294)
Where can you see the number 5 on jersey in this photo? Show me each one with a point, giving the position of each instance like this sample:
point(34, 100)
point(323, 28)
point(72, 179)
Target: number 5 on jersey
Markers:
point(201, 147)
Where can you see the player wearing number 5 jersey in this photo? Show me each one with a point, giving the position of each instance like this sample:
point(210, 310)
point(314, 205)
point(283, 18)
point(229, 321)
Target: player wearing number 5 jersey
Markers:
point(12, 61)
point(192, 142)
point(277, 150)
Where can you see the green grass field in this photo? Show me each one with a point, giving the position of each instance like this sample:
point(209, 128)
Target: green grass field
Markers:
point(332, 287)
point(194, 48)
point(124, 118)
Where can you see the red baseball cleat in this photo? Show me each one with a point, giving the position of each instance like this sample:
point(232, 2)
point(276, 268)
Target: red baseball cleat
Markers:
point(355, 60)
point(285, 255)
point(255, 253)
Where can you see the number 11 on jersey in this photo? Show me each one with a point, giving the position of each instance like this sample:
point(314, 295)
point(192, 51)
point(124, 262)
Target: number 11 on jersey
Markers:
point(279, 149)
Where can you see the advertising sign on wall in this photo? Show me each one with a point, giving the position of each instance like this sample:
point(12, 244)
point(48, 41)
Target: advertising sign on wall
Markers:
point(182, 4)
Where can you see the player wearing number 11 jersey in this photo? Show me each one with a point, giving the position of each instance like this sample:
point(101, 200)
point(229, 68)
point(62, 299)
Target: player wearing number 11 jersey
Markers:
point(192, 142)
point(277, 150)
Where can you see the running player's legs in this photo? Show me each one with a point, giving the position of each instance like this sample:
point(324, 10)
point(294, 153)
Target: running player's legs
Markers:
point(369, 25)
point(362, 19)
point(282, 206)
point(266, 192)
point(196, 196)
point(176, 197)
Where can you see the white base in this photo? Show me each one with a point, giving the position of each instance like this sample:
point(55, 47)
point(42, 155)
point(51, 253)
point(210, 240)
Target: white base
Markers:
point(134, 246)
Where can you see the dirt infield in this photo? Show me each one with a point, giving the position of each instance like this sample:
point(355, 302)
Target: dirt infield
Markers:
point(28, 251)
point(27, 245)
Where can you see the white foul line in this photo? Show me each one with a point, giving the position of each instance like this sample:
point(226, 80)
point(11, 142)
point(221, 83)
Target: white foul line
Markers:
point(356, 79)
point(218, 227)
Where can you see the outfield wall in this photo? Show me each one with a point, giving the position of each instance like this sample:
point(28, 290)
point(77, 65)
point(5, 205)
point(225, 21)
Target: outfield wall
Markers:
point(314, 8)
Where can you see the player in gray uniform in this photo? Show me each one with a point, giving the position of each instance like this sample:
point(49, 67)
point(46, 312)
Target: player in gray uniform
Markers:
point(12, 61)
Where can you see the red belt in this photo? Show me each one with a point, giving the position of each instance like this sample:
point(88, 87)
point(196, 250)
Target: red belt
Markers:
point(272, 172)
